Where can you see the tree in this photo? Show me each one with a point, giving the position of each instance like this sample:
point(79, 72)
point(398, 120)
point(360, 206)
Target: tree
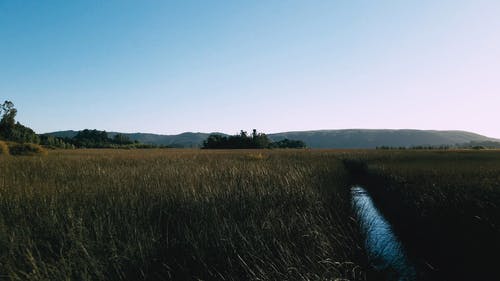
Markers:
point(260, 140)
point(8, 122)
point(241, 141)
point(91, 138)
point(215, 141)
point(14, 131)
point(54, 142)
point(121, 139)
point(100, 139)
point(286, 143)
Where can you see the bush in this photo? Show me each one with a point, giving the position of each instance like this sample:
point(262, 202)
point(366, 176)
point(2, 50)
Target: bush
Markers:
point(4, 149)
point(27, 149)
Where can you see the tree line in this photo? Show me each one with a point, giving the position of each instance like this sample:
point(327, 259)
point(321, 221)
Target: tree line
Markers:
point(101, 139)
point(467, 145)
point(13, 131)
point(245, 141)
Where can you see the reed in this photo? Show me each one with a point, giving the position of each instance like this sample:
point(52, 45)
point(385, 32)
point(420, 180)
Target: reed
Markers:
point(445, 207)
point(178, 215)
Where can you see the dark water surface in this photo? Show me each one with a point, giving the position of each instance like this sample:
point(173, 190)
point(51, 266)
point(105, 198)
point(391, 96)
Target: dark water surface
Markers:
point(385, 250)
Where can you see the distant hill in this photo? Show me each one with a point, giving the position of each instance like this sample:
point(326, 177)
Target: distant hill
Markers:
point(349, 138)
point(63, 134)
point(363, 138)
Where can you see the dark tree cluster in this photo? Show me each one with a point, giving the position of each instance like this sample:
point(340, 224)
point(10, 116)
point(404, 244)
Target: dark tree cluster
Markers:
point(99, 139)
point(481, 145)
point(245, 141)
point(13, 131)
point(241, 141)
point(10, 130)
point(286, 143)
point(54, 142)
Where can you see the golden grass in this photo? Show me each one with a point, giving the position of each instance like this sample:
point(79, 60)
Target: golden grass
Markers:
point(4, 149)
point(178, 215)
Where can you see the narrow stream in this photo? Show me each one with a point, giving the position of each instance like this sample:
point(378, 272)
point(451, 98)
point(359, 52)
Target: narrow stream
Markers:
point(385, 251)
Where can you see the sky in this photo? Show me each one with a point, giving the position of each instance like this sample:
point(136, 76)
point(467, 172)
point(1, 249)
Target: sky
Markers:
point(220, 66)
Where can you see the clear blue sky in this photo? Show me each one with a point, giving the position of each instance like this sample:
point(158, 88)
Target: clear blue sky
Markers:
point(170, 67)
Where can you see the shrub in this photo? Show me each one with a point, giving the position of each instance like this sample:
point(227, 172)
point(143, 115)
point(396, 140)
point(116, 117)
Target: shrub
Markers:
point(4, 149)
point(27, 149)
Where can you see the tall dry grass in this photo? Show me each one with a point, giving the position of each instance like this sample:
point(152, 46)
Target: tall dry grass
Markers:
point(444, 205)
point(4, 148)
point(177, 215)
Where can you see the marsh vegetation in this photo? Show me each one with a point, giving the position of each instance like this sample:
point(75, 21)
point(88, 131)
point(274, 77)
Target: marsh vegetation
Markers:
point(178, 215)
point(244, 215)
point(443, 205)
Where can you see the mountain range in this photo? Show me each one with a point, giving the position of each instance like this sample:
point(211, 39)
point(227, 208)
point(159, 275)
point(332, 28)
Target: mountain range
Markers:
point(346, 138)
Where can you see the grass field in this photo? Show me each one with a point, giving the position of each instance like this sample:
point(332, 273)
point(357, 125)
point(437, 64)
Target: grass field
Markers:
point(179, 215)
point(444, 205)
point(243, 215)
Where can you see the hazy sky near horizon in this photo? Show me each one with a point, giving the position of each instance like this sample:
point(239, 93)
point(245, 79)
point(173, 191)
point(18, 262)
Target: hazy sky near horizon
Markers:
point(169, 67)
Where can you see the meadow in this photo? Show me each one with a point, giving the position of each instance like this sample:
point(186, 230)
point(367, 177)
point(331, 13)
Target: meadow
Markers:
point(178, 215)
point(444, 206)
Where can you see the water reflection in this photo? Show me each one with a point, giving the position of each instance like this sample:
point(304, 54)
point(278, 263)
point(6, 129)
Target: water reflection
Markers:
point(385, 250)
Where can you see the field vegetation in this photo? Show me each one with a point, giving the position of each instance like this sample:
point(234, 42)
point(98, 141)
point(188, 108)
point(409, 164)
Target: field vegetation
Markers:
point(178, 215)
point(108, 214)
point(444, 205)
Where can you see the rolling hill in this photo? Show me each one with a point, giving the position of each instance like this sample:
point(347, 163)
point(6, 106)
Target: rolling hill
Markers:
point(364, 138)
point(348, 138)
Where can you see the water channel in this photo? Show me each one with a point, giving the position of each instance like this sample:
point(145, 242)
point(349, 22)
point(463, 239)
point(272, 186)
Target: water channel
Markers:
point(385, 251)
